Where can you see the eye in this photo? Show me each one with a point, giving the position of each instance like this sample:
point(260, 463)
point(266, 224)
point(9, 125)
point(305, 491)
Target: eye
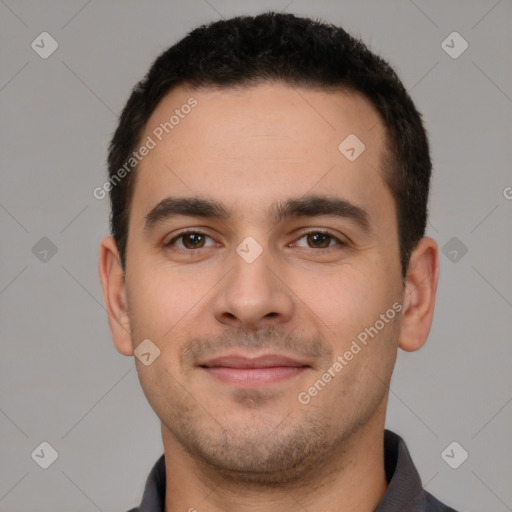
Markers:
point(320, 240)
point(189, 240)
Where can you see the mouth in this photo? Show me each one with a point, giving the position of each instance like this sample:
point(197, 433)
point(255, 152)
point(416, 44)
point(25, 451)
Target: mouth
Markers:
point(250, 372)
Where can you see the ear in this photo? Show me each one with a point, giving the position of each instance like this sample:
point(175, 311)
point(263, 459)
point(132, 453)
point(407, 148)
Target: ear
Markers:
point(419, 295)
point(114, 291)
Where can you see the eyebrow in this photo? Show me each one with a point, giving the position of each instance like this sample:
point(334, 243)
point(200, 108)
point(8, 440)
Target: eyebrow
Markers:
point(306, 206)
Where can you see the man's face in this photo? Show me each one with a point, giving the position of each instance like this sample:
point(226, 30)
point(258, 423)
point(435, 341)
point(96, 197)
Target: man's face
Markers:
point(296, 289)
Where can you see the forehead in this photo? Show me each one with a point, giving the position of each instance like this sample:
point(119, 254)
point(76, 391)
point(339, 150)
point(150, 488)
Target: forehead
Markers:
point(249, 145)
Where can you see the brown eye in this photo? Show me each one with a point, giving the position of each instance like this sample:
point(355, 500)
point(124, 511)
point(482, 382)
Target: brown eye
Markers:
point(189, 240)
point(193, 240)
point(321, 240)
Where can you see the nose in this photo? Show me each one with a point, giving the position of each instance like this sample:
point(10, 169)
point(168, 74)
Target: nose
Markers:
point(254, 295)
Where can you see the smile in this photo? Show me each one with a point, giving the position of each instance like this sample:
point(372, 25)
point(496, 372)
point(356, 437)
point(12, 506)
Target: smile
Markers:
point(244, 372)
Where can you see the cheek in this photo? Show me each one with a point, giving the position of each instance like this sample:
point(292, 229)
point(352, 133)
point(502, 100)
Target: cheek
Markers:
point(346, 301)
point(158, 299)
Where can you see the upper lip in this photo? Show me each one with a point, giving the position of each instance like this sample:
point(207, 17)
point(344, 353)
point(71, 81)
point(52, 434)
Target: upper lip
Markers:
point(241, 361)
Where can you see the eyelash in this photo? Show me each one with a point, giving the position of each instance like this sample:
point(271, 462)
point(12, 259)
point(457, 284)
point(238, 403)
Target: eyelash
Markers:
point(302, 235)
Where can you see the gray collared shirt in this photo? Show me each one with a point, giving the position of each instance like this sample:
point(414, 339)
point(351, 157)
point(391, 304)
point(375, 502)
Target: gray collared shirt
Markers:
point(405, 492)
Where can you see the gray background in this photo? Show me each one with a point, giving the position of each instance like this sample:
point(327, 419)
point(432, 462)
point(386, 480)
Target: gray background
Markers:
point(61, 379)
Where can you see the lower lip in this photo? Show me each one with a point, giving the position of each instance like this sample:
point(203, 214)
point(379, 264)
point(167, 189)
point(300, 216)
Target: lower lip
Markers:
point(252, 377)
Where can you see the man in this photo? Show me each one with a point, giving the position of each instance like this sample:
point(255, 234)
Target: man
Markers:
point(269, 183)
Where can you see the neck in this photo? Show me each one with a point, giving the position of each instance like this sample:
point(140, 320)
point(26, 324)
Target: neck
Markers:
point(351, 479)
